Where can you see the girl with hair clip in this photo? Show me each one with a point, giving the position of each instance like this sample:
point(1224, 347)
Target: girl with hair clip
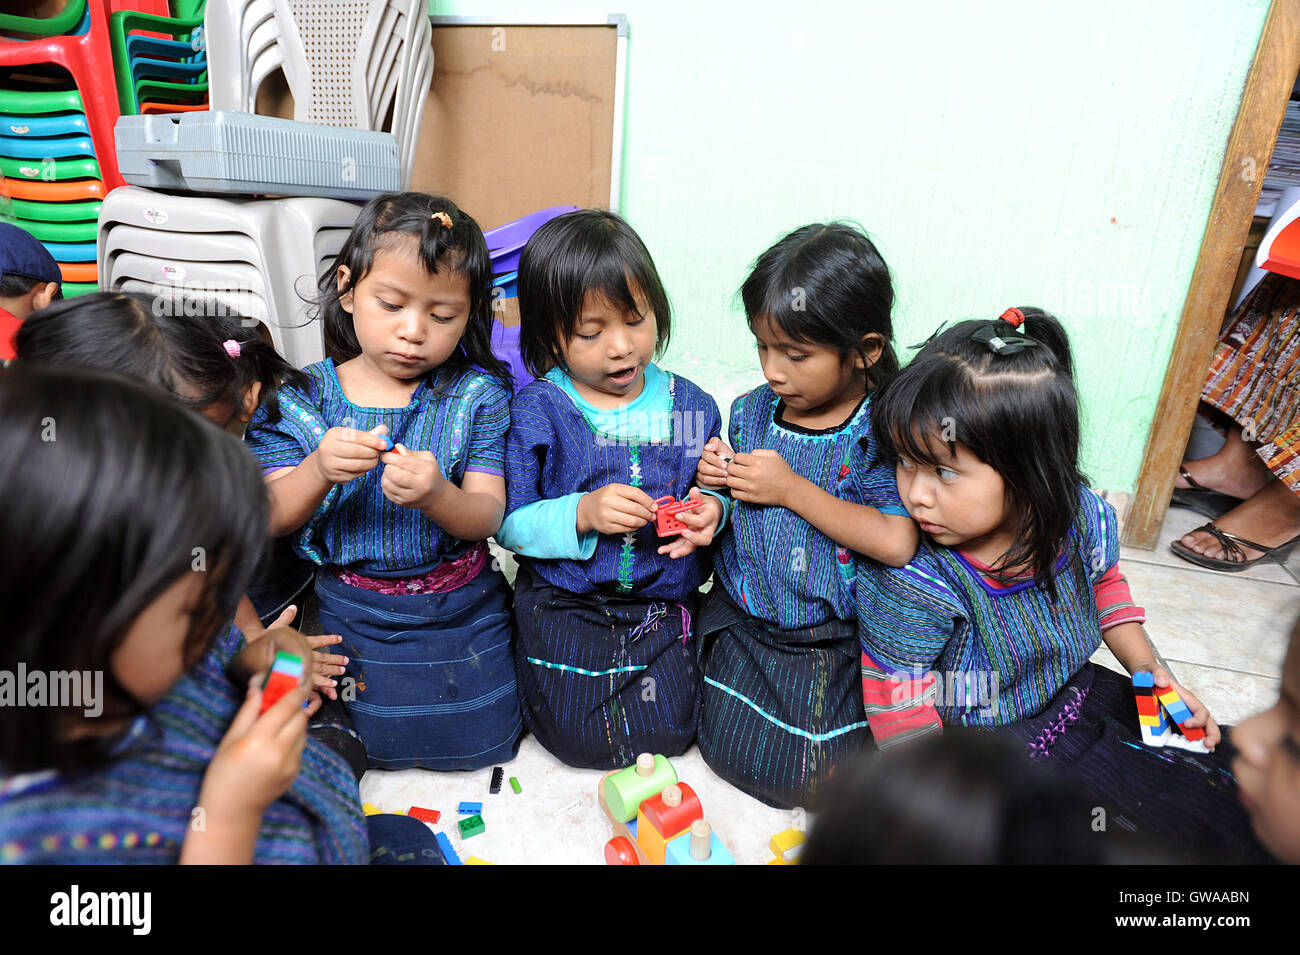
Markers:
point(782, 700)
point(163, 756)
point(387, 467)
point(1017, 584)
point(603, 605)
point(216, 365)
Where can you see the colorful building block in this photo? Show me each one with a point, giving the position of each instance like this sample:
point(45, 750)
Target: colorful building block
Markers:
point(448, 853)
point(498, 774)
point(285, 674)
point(469, 808)
point(786, 846)
point(370, 810)
point(664, 817)
point(1161, 715)
point(514, 784)
point(699, 846)
point(667, 508)
point(471, 826)
point(475, 860)
point(424, 815)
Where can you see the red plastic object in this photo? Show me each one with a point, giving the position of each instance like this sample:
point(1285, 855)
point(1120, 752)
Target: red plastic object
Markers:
point(619, 851)
point(424, 815)
point(1284, 254)
point(666, 521)
point(673, 820)
point(89, 58)
point(277, 686)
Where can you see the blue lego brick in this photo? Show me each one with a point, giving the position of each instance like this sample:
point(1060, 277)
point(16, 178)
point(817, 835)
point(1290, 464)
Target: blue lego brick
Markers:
point(470, 808)
point(448, 853)
point(1144, 679)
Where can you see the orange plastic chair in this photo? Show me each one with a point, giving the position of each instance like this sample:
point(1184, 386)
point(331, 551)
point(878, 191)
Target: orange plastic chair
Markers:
point(41, 191)
point(79, 271)
point(172, 107)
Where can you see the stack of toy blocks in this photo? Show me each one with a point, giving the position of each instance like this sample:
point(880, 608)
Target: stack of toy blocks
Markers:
point(1163, 716)
point(671, 830)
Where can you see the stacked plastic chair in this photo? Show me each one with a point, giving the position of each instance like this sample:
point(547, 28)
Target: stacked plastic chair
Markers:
point(349, 64)
point(160, 61)
point(57, 110)
point(505, 245)
point(256, 258)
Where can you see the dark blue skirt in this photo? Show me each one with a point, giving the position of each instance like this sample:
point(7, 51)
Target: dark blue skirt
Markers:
point(604, 678)
point(432, 682)
point(1184, 803)
point(780, 709)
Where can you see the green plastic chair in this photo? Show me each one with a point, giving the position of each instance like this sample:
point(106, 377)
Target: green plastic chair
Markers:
point(23, 102)
point(57, 25)
point(57, 231)
point(86, 211)
point(73, 289)
point(61, 170)
point(129, 95)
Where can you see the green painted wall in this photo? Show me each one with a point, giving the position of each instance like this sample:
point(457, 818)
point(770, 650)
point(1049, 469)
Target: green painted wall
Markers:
point(1005, 152)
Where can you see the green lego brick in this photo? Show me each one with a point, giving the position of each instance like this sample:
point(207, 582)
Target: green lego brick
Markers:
point(514, 784)
point(471, 826)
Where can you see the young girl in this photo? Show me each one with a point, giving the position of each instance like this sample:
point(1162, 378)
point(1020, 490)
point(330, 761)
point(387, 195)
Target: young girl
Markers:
point(148, 762)
point(403, 564)
point(603, 605)
point(1017, 584)
point(782, 696)
point(216, 365)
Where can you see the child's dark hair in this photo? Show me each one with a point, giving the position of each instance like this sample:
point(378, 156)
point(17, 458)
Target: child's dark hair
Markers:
point(826, 284)
point(111, 491)
point(590, 251)
point(147, 339)
point(11, 286)
point(386, 222)
point(1013, 405)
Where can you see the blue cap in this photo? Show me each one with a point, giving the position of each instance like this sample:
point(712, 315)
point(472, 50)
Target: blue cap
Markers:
point(21, 254)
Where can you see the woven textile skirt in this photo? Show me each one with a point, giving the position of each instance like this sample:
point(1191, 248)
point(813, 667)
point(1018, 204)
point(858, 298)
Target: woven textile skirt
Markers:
point(603, 678)
point(780, 708)
point(1184, 803)
point(432, 679)
point(1255, 374)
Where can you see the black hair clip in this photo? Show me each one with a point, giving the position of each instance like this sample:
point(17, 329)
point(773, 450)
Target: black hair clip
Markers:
point(1001, 338)
point(933, 335)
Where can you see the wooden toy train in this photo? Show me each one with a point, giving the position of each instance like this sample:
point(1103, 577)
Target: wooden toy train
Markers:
point(656, 819)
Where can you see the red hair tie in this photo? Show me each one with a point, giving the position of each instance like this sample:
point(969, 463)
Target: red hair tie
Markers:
point(1013, 317)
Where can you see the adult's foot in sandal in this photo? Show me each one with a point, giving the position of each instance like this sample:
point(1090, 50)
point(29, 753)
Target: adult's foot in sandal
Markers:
point(1270, 517)
point(1235, 470)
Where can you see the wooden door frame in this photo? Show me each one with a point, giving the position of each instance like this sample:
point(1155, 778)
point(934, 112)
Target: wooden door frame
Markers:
point(1250, 145)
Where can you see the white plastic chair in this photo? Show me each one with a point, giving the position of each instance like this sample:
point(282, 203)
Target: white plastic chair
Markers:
point(200, 247)
point(283, 230)
point(243, 304)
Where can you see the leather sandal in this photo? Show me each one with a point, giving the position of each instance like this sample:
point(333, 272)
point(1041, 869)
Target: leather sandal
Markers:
point(1234, 559)
point(1202, 500)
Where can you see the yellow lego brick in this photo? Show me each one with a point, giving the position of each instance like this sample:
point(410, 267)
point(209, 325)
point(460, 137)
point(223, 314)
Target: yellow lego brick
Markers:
point(777, 861)
point(783, 842)
point(1168, 697)
point(475, 860)
point(371, 810)
point(1149, 720)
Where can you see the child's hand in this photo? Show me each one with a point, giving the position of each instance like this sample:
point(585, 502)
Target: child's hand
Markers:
point(614, 509)
point(701, 524)
point(412, 478)
point(256, 761)
point(325, 666)
point(258, 656)
point(712, 469)
point(346, 453)
point(1200, 712)
point(762, 477)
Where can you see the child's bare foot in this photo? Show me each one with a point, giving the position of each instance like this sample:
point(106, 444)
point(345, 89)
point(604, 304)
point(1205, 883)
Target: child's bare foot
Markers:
point(1270, 517)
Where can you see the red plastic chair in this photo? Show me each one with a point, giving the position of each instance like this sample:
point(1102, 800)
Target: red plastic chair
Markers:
point(89, 58)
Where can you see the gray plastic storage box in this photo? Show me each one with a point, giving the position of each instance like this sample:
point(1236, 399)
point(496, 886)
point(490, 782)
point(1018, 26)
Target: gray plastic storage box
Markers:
point(243, 153)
